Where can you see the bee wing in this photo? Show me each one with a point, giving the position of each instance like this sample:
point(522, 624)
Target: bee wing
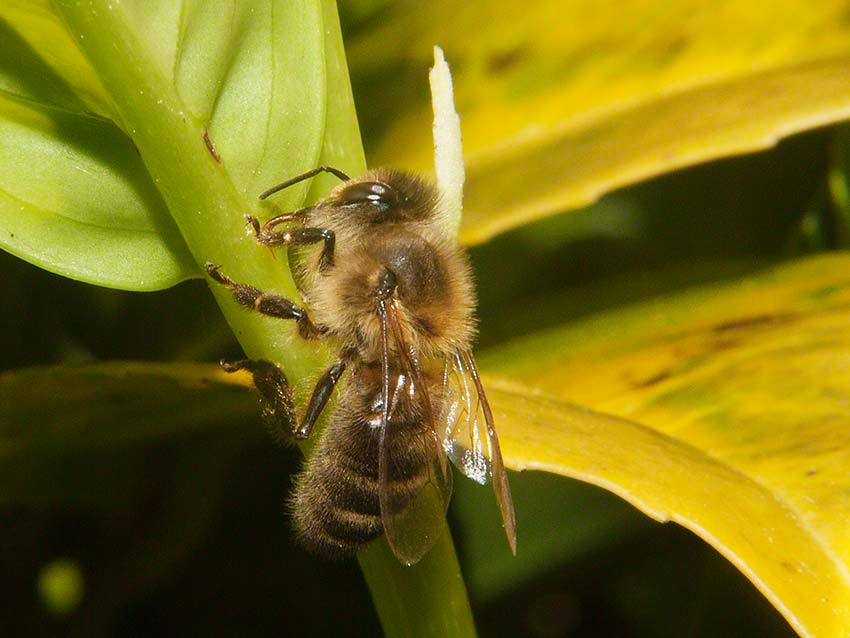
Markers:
point(470, 437)
point(414, 477)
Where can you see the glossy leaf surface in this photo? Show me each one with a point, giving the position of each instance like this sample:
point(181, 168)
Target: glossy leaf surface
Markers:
point(562, 102)
point(735, 397)
point(75, 197)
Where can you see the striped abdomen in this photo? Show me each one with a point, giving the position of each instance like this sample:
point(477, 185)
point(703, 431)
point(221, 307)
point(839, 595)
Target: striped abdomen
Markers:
point(335, 506)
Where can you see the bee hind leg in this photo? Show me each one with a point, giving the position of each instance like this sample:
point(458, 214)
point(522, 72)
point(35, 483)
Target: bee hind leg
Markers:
point(278, 408)
point(276, 396)
point(321, 393)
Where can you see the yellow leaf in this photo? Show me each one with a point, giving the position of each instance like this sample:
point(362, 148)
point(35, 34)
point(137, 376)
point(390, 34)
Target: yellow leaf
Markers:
point(563, 101)
point(738, 405)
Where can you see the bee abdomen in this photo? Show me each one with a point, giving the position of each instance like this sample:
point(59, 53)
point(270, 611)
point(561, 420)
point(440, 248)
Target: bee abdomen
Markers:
point(336, 505)
point(335, 512)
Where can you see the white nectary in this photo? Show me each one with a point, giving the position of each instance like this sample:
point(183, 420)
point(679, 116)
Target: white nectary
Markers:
point(448, 145)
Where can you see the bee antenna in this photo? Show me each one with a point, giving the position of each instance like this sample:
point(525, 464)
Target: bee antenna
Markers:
point(300, 178)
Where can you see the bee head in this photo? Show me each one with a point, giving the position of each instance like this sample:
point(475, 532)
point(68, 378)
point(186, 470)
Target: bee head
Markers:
point(384, 195)
point(376, 195)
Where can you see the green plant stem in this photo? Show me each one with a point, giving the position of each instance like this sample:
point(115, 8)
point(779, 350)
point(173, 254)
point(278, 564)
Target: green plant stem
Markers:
point(427, 600)
point(206, 205)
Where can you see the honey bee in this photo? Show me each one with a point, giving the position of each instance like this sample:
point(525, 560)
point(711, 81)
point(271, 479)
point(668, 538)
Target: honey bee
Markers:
point(384, 283)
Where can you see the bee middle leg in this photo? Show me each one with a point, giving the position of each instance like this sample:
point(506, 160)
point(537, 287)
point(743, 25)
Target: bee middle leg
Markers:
point(269, 379)
point(276, 396)
point(270, 305)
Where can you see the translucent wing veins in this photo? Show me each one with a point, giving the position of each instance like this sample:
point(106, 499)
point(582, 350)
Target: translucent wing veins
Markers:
point(470, 437)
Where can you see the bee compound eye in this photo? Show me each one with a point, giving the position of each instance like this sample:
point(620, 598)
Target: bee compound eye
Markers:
point(374, 193)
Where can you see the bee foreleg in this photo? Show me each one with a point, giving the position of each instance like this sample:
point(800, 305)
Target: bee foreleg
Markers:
point(296, 237)
point(270, 305)
point(321, 393)
point(261, 232)
point(275, 395)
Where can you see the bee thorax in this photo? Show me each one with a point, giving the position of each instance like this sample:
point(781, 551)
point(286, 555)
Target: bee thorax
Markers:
point(432, 297)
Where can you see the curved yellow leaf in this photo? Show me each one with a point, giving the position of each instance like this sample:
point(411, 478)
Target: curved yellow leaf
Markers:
point(763, 536)
point(738, 400)
point(564, 101)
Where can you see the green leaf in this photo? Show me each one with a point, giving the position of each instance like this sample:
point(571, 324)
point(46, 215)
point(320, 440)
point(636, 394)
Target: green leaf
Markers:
point(217, 55)
point(65, 408)
point(562, 102)
point(54, 417)
point(76, 199)
point(734, 421)
point(216, 125)
point(41, 64)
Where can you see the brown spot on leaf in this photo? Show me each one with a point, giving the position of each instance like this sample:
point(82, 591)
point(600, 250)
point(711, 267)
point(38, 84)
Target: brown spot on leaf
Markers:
point(501, 61)
point(656, 378)
point(210, 147)
point(751, 322)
